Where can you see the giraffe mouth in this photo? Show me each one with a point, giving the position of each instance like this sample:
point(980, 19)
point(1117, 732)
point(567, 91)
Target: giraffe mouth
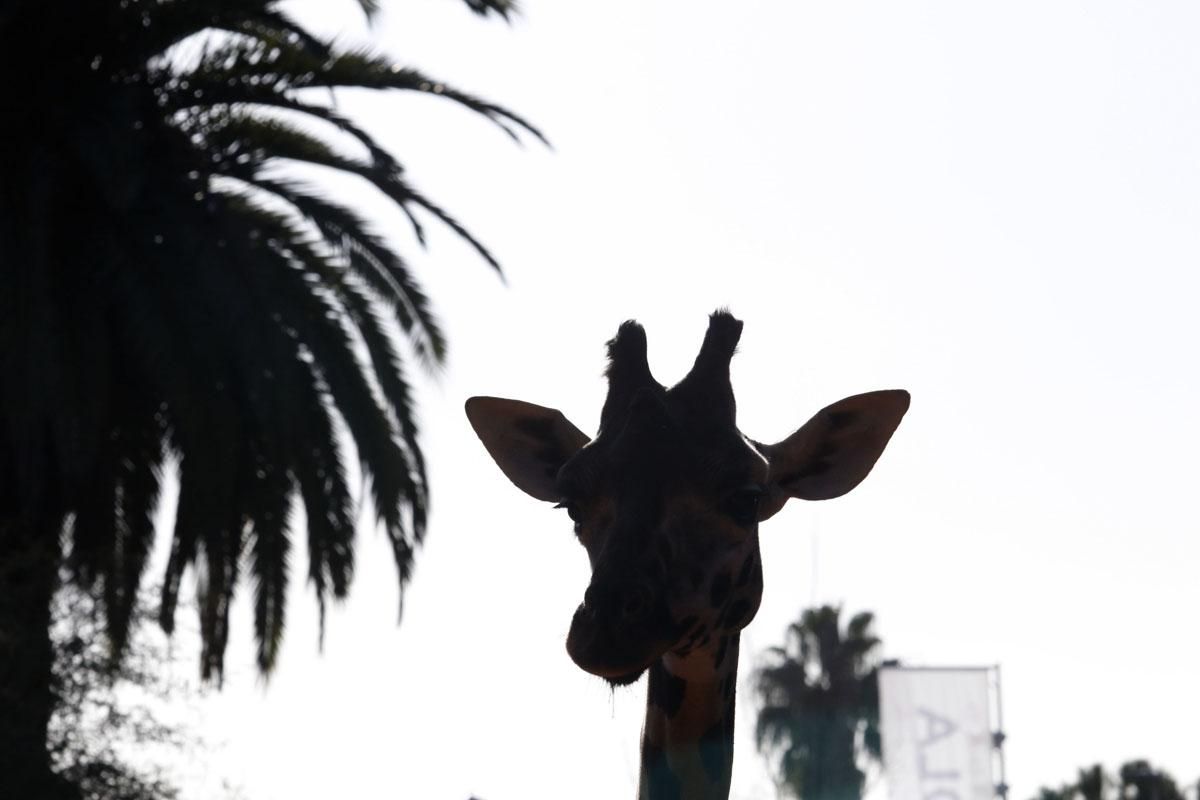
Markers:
point(614, 676)
point(626, 679)
point(616, 654)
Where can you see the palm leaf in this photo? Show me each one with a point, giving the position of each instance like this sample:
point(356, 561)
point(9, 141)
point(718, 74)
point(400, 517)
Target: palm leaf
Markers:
point(228, 71)
point(371, 260)
point(504, 8)
point(174, 22)
point(180, 298)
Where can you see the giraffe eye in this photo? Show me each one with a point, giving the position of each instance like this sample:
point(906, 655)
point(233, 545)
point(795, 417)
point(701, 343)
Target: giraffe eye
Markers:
point(742, 504)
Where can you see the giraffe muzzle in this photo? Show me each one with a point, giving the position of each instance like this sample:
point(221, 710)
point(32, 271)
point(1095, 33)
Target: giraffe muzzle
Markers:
point(617, 635)
point(601, 649)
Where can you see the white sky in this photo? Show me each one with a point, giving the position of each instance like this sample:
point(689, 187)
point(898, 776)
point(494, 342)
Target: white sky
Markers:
point(994, 206)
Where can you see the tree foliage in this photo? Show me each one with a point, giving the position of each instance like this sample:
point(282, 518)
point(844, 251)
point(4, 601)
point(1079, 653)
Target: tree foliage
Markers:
point(174, 295)
point(104, 710)
point(169, 290)
point(818, 698)
point(1134, 780)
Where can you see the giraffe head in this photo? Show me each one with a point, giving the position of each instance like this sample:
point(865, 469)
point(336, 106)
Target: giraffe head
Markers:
point(666, 499)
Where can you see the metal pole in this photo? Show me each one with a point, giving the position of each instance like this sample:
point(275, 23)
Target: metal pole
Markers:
point(999, 737)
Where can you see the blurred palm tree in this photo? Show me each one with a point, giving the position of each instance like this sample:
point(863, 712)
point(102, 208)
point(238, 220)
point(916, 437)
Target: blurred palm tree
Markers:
point(171, 293)
point(1092, 783)
point(1052, 794)
point(818, 700)
point(1141, 781)
point(1135, 780)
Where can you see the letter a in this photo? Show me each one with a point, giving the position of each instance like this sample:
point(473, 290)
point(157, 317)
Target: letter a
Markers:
point(936, 726)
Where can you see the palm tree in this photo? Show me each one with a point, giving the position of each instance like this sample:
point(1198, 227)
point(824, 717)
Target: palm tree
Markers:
point(1141, 781)
point(171, 295)
point(1135, 780)
point(1053, 794)
point(818, 703)
point(1092, 783)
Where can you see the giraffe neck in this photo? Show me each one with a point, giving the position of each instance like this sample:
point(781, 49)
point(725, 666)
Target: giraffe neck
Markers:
point(687, 743)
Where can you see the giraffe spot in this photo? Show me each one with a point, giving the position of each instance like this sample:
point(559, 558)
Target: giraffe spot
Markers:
point(747, 570)
point(722, 649)
point(666, 690)
point(736, 614)
point(720, 589)
point(690, 643)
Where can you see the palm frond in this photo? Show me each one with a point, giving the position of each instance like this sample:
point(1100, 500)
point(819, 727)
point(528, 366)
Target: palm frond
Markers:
point(316, 319)
point(320, 472)
point(388, 369)
point(171, 23)
point(139, 463)
point(253, 139)
point(504, 8)
point(269, 548)
point(369, 7)
point(365, 69)
point(369, 258)
point(230, 70)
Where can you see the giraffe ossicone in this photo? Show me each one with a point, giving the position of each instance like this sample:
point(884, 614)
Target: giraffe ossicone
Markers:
point(666, 500)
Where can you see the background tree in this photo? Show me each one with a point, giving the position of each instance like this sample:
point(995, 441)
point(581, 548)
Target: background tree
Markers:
point(1135, 780)
point(105, 712)
point(169, 295)
point(1092, 784)
point(1140, 781)
point(818, 718)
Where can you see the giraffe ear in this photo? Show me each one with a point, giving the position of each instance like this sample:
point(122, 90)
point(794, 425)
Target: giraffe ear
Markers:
point(834, 450)
point(528, 442)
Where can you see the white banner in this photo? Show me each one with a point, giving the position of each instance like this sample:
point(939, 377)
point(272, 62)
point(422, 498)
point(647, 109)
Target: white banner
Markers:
point(937, 735)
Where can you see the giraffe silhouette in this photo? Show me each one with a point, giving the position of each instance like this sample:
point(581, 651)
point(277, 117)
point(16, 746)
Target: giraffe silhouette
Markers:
point(666, 499)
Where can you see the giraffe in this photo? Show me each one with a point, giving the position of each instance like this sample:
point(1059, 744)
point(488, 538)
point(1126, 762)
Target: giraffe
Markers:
point(666, 500)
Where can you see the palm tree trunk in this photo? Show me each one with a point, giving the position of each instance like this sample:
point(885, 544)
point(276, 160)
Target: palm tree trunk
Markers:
point(28, 574)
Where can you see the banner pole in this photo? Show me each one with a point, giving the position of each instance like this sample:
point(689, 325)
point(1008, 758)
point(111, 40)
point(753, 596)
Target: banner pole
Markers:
point(999, 736)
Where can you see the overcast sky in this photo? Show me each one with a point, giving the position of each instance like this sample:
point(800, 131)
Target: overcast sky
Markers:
point(995, 206)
